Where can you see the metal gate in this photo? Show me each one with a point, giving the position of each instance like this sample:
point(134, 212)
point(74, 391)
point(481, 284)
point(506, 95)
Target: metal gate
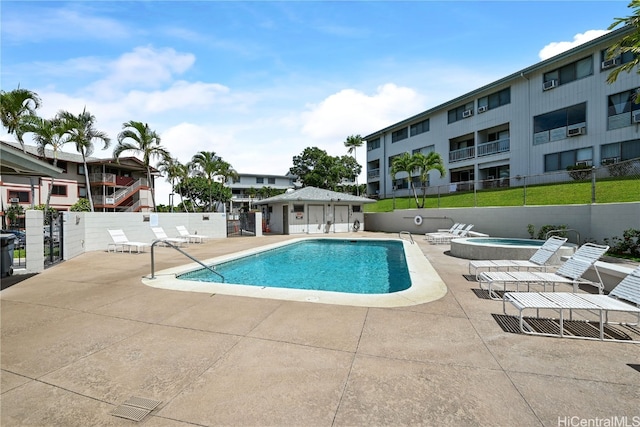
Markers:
point(241, 224)
point(53, 239)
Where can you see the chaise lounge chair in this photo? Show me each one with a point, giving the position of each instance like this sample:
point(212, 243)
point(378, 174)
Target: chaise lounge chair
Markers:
point(120, 241)
point(624, 298)
point(442, 238)
point(192, 238)
point(453, 228)
point(162, 236)
point(570, 272)
point(538, 260)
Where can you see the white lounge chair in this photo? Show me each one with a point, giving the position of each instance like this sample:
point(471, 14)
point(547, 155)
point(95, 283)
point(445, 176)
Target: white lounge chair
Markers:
point(538, 260)
point(445, 230)
point(161, 235)
point(624, 298)
point(570, 272)
point(120, 241)
point(442, 238)
point(192, 238)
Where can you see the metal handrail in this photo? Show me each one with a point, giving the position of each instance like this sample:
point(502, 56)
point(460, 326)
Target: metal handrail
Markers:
point(546, 236)
point(164, 241)
point(406, 232)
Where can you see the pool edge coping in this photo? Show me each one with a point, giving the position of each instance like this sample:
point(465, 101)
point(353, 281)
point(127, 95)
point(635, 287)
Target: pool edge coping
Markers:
point(426, 284)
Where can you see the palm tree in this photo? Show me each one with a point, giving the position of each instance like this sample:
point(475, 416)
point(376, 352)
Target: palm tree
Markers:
point(405, 163)
point(352, 142)
point(207, 164)
point(143, 141)
point(174, 170)
point(16, 108)
point(629, 43)
point(48, 133)
point(425, 164)
point(82, 132)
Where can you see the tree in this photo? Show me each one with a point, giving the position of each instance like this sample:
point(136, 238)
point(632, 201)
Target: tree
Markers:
point(352, 142)
point(16, 109)
point(173, 170)
point(405, 163)
point(425, 164)
point(139, 138)
point(82, 132)
point(47, 133)
point(207, 164)
point(629, 43)
point(314, 167)
point(199, 190)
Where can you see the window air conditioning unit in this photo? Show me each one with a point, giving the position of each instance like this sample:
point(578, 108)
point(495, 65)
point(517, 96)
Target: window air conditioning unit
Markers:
point(584, 163)
point(482, 109)
point(550, 84)
point(576, 131)
point(636, 116)
point(467, 113)
point(14, 200)
point(609, 161)
point(610, 63)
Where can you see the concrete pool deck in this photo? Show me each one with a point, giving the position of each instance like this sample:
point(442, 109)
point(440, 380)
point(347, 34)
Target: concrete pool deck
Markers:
point(82, 337)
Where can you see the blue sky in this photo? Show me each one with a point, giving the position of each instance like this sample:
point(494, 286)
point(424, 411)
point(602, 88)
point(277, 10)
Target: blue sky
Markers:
point(257, 82)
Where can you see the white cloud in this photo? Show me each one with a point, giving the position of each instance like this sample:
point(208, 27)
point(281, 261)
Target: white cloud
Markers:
point(350, 111)
point(554, 48)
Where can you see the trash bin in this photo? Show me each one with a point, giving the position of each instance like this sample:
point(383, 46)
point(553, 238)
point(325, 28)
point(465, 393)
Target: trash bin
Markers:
point(6, 254)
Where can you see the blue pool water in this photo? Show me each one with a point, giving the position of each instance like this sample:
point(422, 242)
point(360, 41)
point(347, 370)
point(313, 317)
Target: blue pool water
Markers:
point(351, 266)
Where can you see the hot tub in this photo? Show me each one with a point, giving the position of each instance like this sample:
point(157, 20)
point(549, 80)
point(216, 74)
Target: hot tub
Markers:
point(504, 248)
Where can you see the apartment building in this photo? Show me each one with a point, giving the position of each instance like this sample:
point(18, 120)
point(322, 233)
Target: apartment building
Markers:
point(248, 188)
point(116, 185)
point(540, 120)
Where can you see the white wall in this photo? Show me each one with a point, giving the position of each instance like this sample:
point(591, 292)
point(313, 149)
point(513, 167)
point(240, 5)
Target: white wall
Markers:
point(592, 222)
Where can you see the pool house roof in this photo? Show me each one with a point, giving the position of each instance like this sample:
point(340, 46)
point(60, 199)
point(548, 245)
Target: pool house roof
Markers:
point(314, 194)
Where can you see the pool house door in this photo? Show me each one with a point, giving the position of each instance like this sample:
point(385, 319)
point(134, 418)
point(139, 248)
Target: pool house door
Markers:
point(341, 219)
point(316, 222)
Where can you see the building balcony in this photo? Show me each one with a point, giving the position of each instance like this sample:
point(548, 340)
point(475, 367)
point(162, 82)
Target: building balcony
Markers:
point(462, 154)
point(493, 147)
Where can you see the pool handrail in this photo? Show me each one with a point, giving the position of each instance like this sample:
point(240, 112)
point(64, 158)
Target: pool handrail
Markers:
point(167, 243)
point(406, 232)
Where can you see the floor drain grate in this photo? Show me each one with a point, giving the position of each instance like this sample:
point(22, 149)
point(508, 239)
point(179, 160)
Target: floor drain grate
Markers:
point(135, 408)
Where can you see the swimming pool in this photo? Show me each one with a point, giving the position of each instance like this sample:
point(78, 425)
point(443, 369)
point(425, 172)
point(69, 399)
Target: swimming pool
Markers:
point(352, 266)
point(425, 284)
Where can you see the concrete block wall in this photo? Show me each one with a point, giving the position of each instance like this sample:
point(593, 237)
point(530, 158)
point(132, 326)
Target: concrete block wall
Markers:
point(592, 222)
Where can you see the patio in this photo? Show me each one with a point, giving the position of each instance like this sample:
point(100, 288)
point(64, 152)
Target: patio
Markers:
point(81, 338)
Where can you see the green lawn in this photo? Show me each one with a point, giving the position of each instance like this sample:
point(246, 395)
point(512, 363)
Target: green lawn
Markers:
point(607, 191)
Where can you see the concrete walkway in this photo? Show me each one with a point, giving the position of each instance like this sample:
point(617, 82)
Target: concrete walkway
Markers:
point(81, 338)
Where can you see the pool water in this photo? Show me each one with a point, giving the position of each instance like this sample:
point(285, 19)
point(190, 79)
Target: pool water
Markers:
point(350, 266)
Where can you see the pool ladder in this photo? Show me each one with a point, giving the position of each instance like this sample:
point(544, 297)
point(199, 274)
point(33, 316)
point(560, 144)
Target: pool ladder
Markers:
point(400, 234)
point(164, 242)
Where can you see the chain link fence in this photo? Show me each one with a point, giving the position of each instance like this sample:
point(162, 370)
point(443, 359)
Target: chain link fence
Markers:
point(583, 184)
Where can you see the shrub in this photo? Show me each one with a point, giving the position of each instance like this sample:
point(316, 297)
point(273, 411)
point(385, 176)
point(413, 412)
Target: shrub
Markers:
point(82, 205)
point(629, 245)
point(542, 233)
point(579, 172)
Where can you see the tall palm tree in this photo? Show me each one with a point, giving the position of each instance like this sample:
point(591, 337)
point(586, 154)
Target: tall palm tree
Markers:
point(425, 164)
point(82, 132)
point(352, 142)
point(405, 163)
point(174, 170)
point(207, 164)
point(16, 108)
point(143, 141)
point(48, 132)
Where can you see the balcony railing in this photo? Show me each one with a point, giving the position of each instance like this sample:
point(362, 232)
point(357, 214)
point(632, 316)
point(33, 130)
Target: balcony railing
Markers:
point(373, 173)
point(120, 195)
point(462, 154)
point(493, 147)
